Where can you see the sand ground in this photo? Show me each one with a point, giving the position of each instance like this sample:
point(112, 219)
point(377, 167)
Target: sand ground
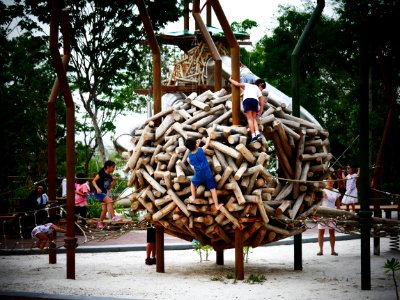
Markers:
point(124, 275)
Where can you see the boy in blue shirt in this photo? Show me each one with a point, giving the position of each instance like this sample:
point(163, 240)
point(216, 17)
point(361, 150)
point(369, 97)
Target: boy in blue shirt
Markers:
point(203, 173)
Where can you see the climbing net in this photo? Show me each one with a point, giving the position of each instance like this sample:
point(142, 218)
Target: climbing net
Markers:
point(16, 229)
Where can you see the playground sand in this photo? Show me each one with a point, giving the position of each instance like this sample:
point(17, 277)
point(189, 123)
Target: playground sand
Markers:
point(124, 275)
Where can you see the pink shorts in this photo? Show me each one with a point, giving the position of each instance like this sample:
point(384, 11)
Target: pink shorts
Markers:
point(330, 225)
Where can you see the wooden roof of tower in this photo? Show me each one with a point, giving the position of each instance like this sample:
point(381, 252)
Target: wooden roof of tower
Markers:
point(186, 41)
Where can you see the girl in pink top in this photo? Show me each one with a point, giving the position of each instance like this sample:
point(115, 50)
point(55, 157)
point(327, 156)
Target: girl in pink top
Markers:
point(81, 193)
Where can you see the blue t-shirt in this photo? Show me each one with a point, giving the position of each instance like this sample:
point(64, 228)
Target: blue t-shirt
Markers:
point(202, 169)
point(199, 160)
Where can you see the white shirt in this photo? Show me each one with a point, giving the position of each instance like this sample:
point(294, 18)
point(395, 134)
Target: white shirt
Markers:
point(330, 197)
point(251, 91)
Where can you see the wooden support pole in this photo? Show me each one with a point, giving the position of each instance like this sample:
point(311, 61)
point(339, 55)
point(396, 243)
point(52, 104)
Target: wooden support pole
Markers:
point(239, 259)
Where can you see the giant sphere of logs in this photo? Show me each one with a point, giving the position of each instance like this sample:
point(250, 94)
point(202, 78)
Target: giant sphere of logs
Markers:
point(266, 207)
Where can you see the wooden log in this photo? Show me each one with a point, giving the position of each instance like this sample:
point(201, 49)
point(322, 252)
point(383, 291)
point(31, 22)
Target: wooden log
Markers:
point(225, 149)
point(207, 220)
point(167, 180)
point(220, 100)
point(137, 150)
point(221, 233)
point(230, 129)
point(140, 178)
point(237, 191)
point(230, 217)
point(178, 202)
point(155, 153)
point(164, 211)
point(180, 174)
point(262, 210)
point(227, 173)
point(286, 190)
point(283, 207)
point(221, 118)
point(251, 231)
point(286, 167)
point(152, 182)
point(164, 126)
point(222, 160)
point(298, 164)
point(231, 162)
point(277, 125)
point(268, 119)
point(162, 201)
point(291, 132)
point(216, 166)
point(246, 153)
point(241, 170)
point(296, 206)
point(277, 229)
point(315, 156)
point(253, 179)
point(234, 139)
point(161, 114)
point(142, 199)
point(132, 178)
point(259, 237)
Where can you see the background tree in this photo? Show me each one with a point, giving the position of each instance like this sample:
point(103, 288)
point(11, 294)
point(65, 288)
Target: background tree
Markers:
point(106, 40)
point(330, 73)
point(26, 79)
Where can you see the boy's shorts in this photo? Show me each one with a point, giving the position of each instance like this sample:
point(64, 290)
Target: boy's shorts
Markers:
point(151, 235)
point(100, 197)
point(250, 104)
point(204, 177)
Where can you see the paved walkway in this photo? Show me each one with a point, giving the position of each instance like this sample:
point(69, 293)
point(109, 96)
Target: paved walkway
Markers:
point(136, 241)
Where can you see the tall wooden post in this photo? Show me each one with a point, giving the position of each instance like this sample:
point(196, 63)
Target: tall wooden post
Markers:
point(70, 240)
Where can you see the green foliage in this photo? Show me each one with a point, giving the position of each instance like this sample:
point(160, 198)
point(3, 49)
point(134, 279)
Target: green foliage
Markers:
point(200, 249)
point(217, 278)
point(392, 266)
point(94, 209)
point(246, 251)
point(329, 75)
point(108, 61)
point(255, 278)
point(26, 81)
point(243, 26)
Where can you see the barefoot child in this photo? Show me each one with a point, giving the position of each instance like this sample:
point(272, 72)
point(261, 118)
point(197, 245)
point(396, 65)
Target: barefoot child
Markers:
point(203, 174)
point(45, 232)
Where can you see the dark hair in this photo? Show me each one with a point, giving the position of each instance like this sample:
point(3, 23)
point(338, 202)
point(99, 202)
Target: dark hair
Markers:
point(260, 81)
point(190, 143)
point(42, 185)
point(109, 163)
point(80, 178)
point(54, 218)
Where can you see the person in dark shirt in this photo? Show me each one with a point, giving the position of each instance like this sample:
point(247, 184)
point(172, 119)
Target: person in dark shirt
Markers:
point(102, 183)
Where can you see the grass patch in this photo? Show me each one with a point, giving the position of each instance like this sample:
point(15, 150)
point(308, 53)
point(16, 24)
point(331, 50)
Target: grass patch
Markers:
point(255, 278)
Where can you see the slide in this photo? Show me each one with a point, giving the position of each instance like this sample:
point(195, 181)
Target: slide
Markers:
point(273, 92)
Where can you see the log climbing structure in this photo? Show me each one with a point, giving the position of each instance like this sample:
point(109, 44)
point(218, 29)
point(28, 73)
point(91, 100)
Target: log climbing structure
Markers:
point(268, 188)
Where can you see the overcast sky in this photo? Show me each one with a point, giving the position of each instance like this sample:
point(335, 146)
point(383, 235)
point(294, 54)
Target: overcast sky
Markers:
point(264, 12)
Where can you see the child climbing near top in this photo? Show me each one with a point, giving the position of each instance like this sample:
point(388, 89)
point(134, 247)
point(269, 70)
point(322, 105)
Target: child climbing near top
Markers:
point(203, 173)
point(253, 104)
